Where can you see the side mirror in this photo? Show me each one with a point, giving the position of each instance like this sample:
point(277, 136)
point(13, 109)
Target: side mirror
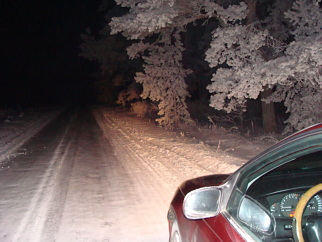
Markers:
point(202, 203)
point(255, 216)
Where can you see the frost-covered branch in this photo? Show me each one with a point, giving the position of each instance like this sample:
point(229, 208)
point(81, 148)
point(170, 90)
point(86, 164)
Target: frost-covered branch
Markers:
point(296, 72)
point(238, 47)
point(163, 79)
point(150, 16)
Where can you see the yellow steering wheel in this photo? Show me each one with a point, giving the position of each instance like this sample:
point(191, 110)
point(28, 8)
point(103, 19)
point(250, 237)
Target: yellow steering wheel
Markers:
point(297, 219)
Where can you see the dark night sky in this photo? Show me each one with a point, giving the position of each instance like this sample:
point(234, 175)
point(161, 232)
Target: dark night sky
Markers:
point(39, 43)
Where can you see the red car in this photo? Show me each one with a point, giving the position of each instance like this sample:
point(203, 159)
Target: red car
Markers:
point(277, 196)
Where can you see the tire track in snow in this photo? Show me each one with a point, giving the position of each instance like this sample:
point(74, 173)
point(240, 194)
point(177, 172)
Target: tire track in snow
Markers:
point(31, 226)
point(152, 193)
point(107, 125)
point(171, 160)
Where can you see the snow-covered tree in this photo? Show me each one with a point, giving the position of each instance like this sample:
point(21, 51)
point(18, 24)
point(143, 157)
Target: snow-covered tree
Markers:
point(236, 52)
point(277, 23)
point(109, 52)
point(239, 47)
point(151, 16)
point(163, 78)
point(280, 55)
point(296, 73)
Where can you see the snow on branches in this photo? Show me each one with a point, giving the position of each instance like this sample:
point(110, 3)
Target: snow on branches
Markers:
point(296, 73)
point(229, 15)
point(238, 47)
point(247, 58)
point(151, 16)
point(301, 86)
point(306, 17)
point(163, 79)
point(163, 76)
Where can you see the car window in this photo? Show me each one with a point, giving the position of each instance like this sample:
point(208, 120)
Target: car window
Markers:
point(304, 164)
point(277, 157)
point(275, 194)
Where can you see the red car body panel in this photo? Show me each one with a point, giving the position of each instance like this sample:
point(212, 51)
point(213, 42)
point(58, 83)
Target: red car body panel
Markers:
point(205, 181)
point(310, 128)
point(201, 230)
point(216, 228)
point(224, 230)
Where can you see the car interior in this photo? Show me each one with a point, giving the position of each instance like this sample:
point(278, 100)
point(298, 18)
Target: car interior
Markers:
point(278, 193)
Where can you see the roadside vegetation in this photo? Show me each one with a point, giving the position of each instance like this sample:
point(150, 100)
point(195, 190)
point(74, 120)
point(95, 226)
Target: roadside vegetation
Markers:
point(252, 64)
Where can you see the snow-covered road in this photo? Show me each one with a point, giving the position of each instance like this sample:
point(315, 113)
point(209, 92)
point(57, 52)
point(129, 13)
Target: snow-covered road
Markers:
point(100, 177)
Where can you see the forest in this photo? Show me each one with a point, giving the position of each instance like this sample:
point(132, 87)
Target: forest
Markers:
point(251, 64)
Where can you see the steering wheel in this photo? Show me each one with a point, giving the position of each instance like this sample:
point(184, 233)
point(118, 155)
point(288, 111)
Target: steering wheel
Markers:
point(298, 214)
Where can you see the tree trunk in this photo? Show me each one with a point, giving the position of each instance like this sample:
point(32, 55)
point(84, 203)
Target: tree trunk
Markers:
point(268, 112)
point(268, 109)
point(251, 11)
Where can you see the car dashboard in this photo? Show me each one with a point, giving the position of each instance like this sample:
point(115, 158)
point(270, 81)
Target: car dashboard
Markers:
point(283, 204)
point(280, 194)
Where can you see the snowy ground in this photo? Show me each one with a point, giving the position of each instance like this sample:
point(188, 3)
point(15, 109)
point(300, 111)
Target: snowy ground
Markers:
point(76, 181)
point(180, 154)
point(17, 127)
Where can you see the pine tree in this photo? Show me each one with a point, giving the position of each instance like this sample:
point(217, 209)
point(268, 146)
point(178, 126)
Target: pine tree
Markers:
point(163, 79)
point(295, 71)
point(280, 56)
point(298, 72)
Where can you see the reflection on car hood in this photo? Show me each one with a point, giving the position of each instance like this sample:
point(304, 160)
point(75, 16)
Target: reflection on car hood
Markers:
point(204, 181)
